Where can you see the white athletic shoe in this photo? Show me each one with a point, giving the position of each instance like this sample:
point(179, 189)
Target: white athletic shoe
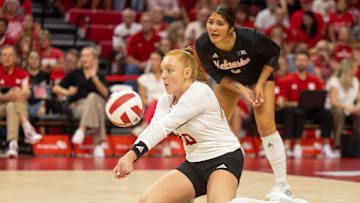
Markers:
point(99, 151)
point(282, 190)
point(289, 153)
point(327, 152)
point(286, 199)
point(13, 149)
point(33, 137)
point(78, 137)
point(298, 151)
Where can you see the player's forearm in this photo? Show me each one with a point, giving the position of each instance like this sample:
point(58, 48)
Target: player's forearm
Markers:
point(233, 85)
point(265, 74)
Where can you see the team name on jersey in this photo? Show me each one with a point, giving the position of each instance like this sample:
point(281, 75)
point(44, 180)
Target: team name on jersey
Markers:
point(226, 65)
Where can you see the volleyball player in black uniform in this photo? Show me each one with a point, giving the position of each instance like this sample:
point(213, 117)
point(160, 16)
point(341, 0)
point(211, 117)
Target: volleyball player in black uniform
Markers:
point(241, 61)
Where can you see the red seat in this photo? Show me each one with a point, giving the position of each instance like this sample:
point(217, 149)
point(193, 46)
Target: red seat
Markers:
point(97, 16)
point(105, 49)
point(99, 32)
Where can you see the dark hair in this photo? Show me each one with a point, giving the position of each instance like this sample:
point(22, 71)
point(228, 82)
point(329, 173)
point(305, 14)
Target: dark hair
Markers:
point(6, 21)
point(314, 26)
point(244, 9)
point(302, 52)
point(226, 12)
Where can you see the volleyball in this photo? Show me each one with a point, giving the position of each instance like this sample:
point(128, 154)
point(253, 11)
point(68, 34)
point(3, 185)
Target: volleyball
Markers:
point(124, 108)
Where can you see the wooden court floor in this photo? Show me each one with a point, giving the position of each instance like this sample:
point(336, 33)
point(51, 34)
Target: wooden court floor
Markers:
point(99, 186)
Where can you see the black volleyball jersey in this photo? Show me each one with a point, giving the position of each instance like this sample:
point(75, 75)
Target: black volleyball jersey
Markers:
point(244, 62)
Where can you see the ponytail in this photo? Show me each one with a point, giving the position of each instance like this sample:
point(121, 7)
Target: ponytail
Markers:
point(198, 73)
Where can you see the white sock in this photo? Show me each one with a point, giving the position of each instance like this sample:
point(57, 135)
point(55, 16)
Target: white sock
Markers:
point(27, 127)
point(247, 200)
point(275, 153)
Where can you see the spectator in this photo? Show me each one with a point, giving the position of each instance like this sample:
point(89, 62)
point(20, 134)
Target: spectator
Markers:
point(38, 80)
point(294, 117)
point(299, 46)
point(343, 88)
point(266, 17)
point(15, 92)
point(242, 16)
point(342, 18)
point(343, 47)
point(322, 59)
point(124, 30)
point(51, 58)
point(26, 5)
point(324, 8)
point(255, 6)
point(159, 25)
point(137, 5)
point(296, 20)
point(194, 29)
point(15, 14)
point(87, 89)
point(186, 6)
point(356, 57)
point(23, 47)
point(139, 47)
point(29, 26)
point(170, 7)
point(121, 33)
point(310, 31)
point(280, 16)
point(176, 35)
point(71, 61)
point(165, 46)
point(4, 40)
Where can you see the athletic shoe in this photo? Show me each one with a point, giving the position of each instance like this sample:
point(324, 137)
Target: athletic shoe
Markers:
point(33, 137)
point(327, 152)
point(13, 149)
point(298, 151)
point(99, 151)
point(286, 199)
point(279, 190)
point(289, 153)
point(78, 137)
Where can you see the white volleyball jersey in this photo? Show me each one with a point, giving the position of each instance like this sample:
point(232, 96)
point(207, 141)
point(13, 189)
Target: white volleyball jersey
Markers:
point(197, 119)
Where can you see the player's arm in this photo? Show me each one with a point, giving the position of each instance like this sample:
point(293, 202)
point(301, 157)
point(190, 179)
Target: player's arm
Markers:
point(187, 108)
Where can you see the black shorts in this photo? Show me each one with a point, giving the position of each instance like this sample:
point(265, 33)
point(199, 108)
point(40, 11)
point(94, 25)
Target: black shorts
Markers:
point(199, 172)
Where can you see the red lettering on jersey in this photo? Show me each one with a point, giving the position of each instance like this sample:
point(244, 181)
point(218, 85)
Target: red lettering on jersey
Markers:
point(188, 139)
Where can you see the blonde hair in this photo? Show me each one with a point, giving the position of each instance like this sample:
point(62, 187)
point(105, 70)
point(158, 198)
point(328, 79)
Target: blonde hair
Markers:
point(188, 58)
point(172, 31)
point(93, 53)
point(344, 73)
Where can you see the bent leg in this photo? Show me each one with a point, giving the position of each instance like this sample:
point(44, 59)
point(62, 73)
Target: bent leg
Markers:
point(227, 99)
point(222, 186)
point(173, 187)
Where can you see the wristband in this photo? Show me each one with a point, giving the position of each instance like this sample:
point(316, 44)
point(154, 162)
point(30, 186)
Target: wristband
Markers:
point(140, 149)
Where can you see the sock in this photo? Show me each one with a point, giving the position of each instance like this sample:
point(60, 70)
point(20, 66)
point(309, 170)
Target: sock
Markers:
point(275, 153)
point(247, 200)
point(27, 127)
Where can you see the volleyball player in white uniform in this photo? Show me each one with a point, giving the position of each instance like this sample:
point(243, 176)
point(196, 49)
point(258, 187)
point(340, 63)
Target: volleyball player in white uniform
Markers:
point(214, 159)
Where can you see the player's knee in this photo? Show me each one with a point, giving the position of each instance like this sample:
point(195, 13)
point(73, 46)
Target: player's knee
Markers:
point(144, 198)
